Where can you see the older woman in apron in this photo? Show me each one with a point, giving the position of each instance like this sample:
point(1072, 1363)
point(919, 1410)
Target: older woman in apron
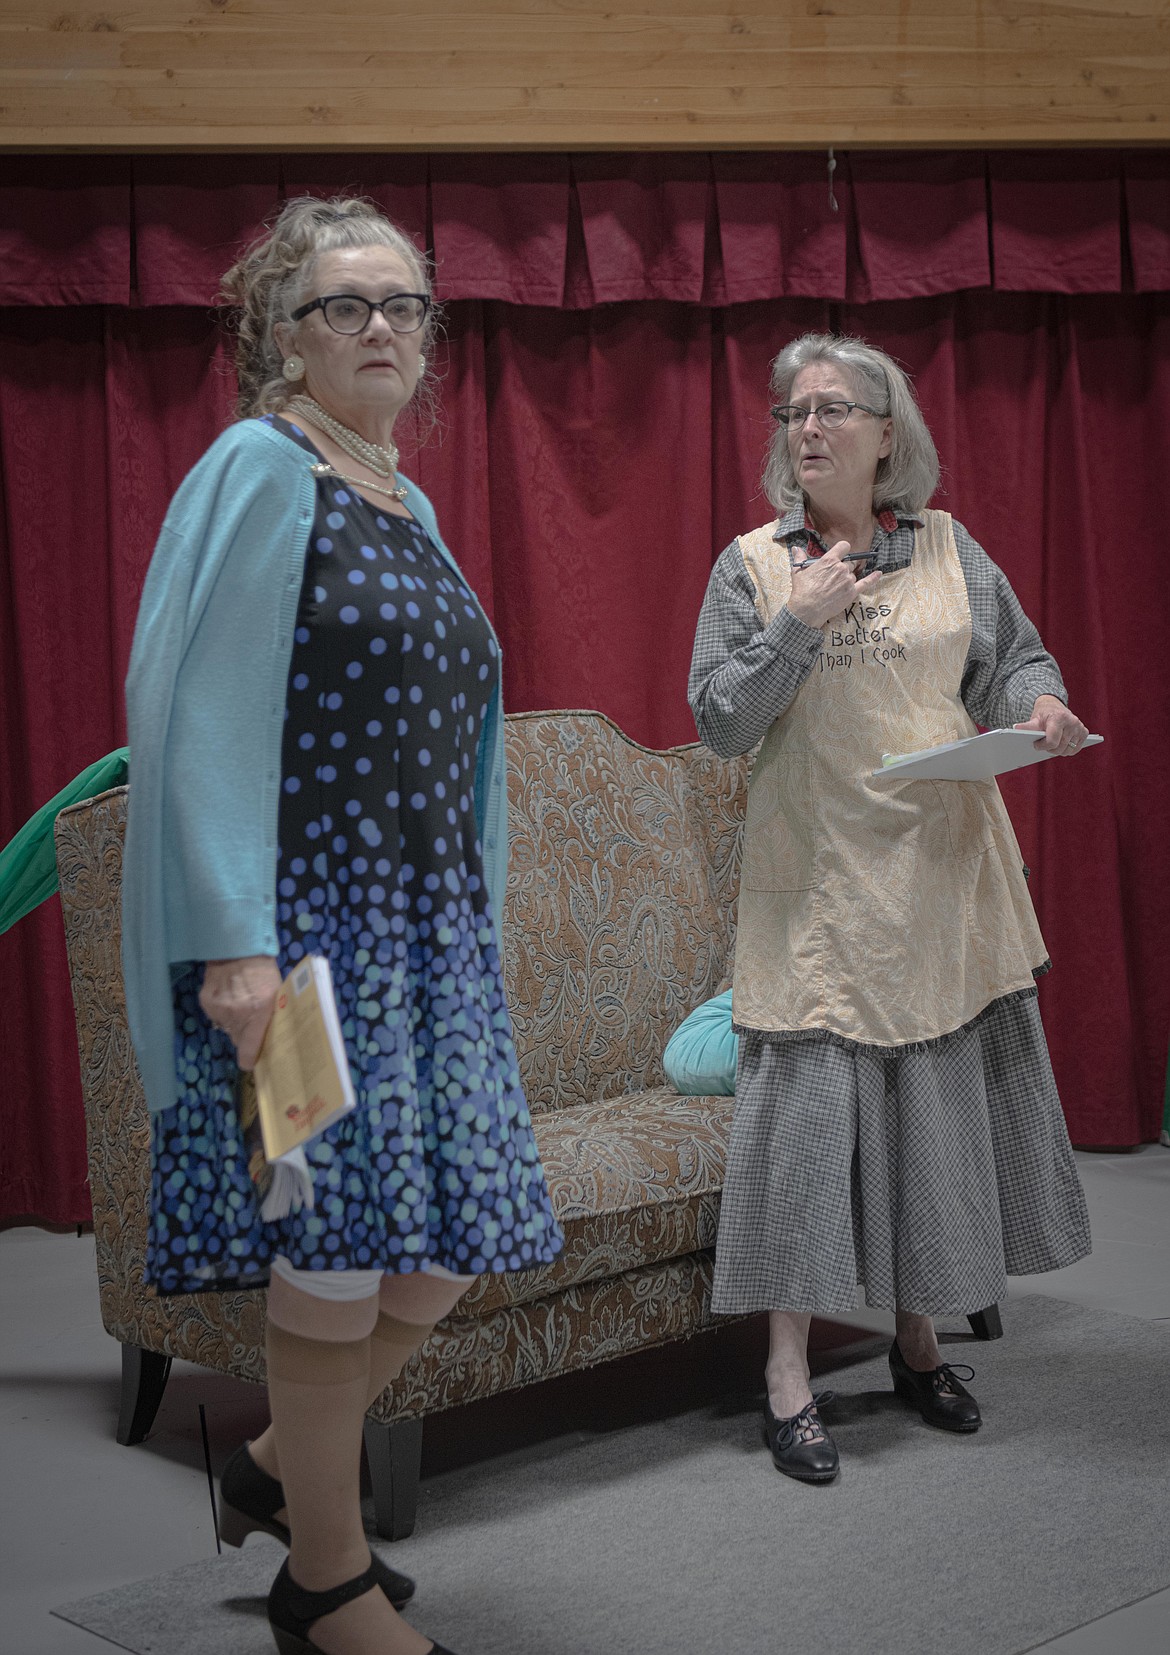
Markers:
point(896, 1120)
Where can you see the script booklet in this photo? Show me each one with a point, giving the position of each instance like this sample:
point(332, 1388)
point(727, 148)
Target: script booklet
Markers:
point(976, 759)
point(301, 1084)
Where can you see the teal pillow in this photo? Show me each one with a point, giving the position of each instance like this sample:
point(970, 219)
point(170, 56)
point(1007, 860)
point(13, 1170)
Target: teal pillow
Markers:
point(701, 1054)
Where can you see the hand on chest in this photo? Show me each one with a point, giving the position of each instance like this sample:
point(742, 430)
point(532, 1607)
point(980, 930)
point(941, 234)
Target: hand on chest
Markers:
point(913, 629)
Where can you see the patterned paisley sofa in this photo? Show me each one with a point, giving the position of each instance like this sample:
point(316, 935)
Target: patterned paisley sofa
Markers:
point(619, 921)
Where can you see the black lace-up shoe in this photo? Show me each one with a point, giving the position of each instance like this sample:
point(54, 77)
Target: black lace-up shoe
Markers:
point(801, 1447)
point(937, 1394)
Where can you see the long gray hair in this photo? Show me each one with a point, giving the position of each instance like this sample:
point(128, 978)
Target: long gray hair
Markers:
point(908, 475)
point(274, 276)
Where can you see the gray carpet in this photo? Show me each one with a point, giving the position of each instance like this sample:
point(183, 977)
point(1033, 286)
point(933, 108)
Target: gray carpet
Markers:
point(679, 1538)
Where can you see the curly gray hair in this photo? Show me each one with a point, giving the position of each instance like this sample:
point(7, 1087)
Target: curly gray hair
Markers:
point(275, 274)
point(908, 476)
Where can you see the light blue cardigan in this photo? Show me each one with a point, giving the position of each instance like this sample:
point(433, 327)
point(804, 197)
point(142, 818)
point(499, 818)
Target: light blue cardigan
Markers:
point(205, 698)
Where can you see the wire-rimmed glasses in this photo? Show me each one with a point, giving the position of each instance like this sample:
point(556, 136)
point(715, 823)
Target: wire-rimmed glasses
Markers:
point(831, 415)
point(350, 313)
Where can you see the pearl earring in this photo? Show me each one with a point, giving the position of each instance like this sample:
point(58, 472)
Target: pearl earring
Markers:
point(294, 368)
point(422, 365)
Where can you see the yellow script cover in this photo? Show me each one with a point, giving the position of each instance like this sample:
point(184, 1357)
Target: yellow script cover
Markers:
point(302, 1074)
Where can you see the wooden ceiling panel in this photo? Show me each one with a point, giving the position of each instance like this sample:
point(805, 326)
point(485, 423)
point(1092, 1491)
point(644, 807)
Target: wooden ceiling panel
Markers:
point(573, 74)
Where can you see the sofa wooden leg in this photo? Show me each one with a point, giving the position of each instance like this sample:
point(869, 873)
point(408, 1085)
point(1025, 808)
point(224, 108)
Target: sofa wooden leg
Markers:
point(986, 1324)
point(394, 1452)
point(144, 1379)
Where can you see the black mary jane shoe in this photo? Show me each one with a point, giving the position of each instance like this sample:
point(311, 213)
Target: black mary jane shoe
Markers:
point(937, 1394)
point(292, 1610)
point(801, 1446)
point(248, 1502)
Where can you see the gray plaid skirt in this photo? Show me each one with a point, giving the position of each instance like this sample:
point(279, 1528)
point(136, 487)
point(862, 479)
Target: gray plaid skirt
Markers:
point(927, 1173)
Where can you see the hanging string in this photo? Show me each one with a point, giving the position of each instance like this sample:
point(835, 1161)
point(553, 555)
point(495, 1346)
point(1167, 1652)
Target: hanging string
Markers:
point(832, 169)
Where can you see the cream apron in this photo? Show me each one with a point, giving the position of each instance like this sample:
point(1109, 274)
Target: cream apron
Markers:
point(888, 912)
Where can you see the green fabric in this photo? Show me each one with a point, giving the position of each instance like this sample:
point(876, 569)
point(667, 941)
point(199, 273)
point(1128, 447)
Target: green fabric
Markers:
point(28, 863)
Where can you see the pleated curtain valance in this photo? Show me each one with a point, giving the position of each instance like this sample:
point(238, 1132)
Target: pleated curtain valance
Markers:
point(573, 231)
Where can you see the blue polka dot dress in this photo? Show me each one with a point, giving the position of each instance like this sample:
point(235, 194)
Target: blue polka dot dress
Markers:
point(380, 869)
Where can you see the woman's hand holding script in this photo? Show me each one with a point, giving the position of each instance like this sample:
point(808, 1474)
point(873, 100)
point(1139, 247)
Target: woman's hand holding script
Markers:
point(827, 587)
point(1061, 731)
point(238, 997)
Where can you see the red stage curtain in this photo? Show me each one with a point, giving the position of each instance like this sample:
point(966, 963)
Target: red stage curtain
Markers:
point(575, 231)
point(591, 463)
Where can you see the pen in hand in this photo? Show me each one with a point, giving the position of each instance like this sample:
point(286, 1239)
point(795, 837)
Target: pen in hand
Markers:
point(846, 557)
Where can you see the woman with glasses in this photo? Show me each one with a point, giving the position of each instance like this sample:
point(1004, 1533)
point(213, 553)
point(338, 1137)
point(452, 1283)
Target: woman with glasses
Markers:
point(896, 1121)
point(317, 768)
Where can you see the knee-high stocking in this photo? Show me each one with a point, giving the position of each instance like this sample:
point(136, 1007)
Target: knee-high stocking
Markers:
point(317, 1392)
point(409, 1307)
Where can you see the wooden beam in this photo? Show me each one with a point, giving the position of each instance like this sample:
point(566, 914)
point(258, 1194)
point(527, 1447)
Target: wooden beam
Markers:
point(575, 74)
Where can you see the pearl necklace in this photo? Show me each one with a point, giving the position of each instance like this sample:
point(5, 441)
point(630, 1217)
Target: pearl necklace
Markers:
point(382, 460)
